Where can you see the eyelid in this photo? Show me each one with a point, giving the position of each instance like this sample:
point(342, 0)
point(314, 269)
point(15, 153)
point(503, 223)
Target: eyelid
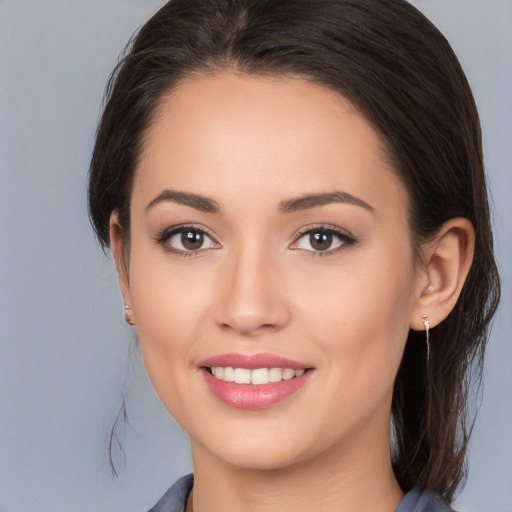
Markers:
point(166, 234)
point(345, 236)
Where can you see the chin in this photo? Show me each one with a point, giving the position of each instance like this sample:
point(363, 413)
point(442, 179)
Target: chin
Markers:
point(267, 446)
point(256, 458)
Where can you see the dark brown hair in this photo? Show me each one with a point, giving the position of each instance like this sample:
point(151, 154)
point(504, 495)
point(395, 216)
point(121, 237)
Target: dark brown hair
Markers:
point(401, 73)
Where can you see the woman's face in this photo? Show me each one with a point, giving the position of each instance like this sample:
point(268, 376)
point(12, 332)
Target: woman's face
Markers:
point(269, 240)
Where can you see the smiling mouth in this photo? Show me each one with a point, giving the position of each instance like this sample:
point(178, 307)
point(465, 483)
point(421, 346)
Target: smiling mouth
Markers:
point(255, 381)
point(256, 376)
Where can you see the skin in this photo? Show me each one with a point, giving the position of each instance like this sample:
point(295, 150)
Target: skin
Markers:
point(257, 285)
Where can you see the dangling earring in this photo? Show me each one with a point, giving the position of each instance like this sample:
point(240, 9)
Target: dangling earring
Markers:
point(128, 315)
point(427, 327)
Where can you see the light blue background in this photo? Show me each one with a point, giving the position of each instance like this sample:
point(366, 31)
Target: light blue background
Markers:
point(64, 347)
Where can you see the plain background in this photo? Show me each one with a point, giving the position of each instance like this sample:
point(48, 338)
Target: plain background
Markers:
point(64, 348)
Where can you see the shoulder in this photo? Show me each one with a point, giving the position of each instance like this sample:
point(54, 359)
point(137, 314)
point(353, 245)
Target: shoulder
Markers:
point(175, 499)
point(422, 501)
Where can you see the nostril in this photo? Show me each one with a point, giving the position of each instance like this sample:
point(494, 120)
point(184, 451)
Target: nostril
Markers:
point(251, 309)
point(249, 329)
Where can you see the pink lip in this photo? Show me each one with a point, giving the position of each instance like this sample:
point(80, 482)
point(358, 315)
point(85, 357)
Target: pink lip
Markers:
point(253, 361)
point(250, 396)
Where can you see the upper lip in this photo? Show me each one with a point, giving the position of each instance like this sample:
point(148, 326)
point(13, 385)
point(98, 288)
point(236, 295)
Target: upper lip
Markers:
point(252, 361)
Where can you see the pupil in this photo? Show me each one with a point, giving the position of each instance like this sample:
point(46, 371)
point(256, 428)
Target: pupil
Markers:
point(320, 241)
point(192, 240)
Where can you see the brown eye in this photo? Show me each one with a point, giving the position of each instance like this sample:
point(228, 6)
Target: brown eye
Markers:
point(187, 240)
point(321, 240)
point(192, 240)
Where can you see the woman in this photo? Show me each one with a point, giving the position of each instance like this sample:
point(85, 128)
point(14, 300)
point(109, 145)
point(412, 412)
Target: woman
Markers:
point(294, 196)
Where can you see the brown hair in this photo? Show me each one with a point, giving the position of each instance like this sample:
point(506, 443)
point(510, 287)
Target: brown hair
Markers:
point(401, 73)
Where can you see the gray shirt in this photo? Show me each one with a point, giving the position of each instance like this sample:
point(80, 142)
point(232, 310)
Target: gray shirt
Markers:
point(175, 499)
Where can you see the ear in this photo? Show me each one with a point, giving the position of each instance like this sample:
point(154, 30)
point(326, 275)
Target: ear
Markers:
point(121, 261)
point(447, 259)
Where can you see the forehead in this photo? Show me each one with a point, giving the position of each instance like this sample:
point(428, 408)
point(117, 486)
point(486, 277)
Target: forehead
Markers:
point(230, 133)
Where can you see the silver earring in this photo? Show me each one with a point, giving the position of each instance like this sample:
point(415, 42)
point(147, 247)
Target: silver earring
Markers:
point(128, 315)
point(427, 327)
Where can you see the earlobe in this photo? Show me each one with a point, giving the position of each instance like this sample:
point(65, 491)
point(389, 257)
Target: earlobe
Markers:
point(119, 255)
point(447, 260)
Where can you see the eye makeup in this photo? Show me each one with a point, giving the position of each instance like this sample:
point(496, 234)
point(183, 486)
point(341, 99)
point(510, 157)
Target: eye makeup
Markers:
point(192, 240)
point(186, 240)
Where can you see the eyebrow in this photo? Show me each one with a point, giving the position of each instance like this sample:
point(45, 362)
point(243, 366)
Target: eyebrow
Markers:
point(315, 200)
point(199, 202)
point(205, 204)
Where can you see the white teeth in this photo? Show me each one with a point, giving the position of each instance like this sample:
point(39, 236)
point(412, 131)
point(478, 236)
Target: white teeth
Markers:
point(257, 376)
point(229, 374)
point(260, 376)
point(275, 374)
point(242, 376)
point(288, 374)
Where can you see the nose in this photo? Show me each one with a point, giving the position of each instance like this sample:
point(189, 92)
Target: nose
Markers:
point(253, 296)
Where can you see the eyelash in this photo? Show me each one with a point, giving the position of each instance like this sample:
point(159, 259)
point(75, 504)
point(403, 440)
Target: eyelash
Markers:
point(168, 233)
point(345, 238)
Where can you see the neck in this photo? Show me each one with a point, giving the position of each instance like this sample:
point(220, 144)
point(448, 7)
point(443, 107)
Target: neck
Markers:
point(341, 480)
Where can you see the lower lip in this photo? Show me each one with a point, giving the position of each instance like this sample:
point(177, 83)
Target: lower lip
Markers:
point(252, 396)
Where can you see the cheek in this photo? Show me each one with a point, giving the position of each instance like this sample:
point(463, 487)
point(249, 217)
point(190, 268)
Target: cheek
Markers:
point(169, 307)
point(359, 314)
point(166, 294)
